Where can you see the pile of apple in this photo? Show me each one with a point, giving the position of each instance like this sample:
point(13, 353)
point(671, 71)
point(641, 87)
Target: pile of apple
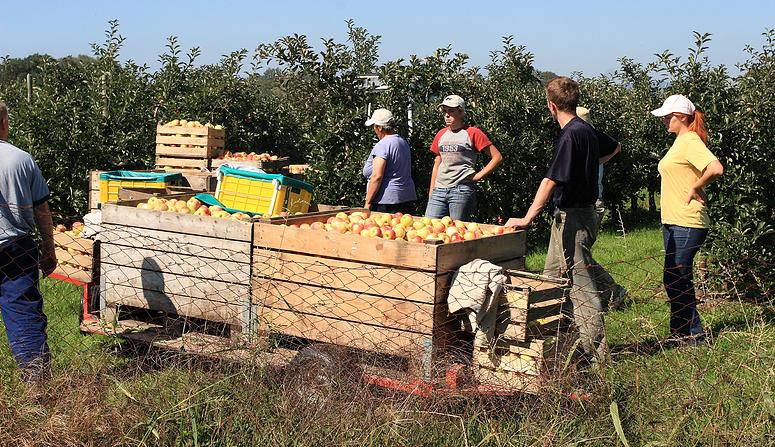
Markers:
point(244, 156)
point(191, 206)
point(186, 123)
point(404, 227)
point(75, 229)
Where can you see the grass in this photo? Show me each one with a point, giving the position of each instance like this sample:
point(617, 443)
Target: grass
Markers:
point(716, 395)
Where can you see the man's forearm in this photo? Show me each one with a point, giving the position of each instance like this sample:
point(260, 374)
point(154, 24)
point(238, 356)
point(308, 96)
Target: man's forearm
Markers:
point(541, 197)
point(45, 226)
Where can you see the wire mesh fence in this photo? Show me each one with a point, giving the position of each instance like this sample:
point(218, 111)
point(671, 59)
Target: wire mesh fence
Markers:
point(329, 318)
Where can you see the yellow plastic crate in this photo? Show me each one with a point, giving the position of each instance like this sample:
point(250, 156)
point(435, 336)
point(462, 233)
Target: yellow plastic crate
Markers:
point(111, 182)
point(266, 194)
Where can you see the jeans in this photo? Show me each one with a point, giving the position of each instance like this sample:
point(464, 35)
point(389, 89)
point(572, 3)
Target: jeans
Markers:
point(457, 202)
point(573, 233)
point(21, 306)
point(681, 244)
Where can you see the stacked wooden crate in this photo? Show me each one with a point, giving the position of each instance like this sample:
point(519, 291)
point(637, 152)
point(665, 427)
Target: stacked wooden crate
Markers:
point(94, 190)
point(179, 265)
point(187, 148)
point(530, 338)
point(372, 294)
point(76, 258)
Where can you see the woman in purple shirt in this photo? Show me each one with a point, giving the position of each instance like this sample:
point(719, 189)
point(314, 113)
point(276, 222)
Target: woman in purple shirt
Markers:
point(388, 168)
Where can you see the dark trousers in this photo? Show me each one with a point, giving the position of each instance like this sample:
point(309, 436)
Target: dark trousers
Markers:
point(21, 306)
point(681, 244)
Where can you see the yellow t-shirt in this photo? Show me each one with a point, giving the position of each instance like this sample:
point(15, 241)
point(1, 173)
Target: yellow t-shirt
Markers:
point(680, 168)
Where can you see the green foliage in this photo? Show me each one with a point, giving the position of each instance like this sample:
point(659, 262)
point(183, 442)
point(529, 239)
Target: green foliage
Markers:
point(310, 104)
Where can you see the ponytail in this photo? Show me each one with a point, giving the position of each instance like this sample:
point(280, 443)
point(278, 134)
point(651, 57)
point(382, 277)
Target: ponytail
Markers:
point(697, 125)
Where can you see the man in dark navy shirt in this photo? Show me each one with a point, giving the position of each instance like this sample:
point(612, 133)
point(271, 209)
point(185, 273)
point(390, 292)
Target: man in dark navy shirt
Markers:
point(571, 182)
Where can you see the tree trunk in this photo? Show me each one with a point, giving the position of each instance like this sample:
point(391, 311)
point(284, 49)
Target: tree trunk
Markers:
point(652, 202)
point(634, 204)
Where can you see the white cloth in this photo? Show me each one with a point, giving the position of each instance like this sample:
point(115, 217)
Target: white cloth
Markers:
point(476, 289)
point(92, 224)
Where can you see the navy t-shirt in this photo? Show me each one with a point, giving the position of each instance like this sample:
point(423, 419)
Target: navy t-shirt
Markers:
point(575, 164)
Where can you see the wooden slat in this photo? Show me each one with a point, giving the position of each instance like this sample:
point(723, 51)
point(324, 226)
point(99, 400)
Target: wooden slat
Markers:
point(77, 260)
point(183, 130)
point(94, 180)
point(537, 311)
point(120, 294)
point(508, 362)
point(172, 284)
point(201, 181)
point(176, 263)
point(347, 275)
point(182, 244)
point(94, 199)
point(209, 151)
point(526, 297)
point(230, 229)
point(544, 327)
point(345, 246)
point(345, 333)
point(75, 242)
point(73, 273)
point(202, 142)
point(344, 305)
point(493, 248)
point(191, 163)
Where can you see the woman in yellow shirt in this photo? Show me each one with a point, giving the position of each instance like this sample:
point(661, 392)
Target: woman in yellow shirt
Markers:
point(685, 170)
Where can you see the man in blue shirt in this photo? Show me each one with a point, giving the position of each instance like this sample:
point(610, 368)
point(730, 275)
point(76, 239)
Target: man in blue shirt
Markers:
point(23, 206)
point(571, 183)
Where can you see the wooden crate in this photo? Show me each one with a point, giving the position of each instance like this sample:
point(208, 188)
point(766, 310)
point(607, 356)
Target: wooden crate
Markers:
point(94, 190)
point(76, 257)
point(189, 142)
point(384, 296)
point(530, 339)
point(271, 166)
point(179, 164)
point(181, 265)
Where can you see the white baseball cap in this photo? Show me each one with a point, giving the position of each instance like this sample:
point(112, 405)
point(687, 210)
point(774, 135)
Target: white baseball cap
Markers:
point(453, 101)
point(380, 117)
point(583, 113)
point(675, 104)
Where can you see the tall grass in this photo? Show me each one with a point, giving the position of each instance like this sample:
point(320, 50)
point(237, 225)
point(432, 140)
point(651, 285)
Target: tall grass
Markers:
point(104, 394)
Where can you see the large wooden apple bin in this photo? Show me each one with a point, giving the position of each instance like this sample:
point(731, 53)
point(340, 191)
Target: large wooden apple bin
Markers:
point(377, 295)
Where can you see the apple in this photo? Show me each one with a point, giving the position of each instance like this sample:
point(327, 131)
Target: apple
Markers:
point(356, 228)
point(416, 239)
point(499, 230)
point(365, 232)
point(469, 235)
point(438, 225)
point(388, 233)
point(410, 234)
point(161, 207)
point(418, 224)
point(478, 233)
point(317, 226)
point(447, 221)
point(60, 228)
point(451, 231)
point(194, 204)
point(472, 226)
point(444, 237)
point(76, 225)
point(423, 232)
point(456, 238)
point(341, 215)
point(459, 224)
point(375, 231)
point(400, 231)
point(406, 220)
point(202, 211)
point(395, 221)
point(184, 210)
point(426, 220)
point(215, 209)
point(304, 226)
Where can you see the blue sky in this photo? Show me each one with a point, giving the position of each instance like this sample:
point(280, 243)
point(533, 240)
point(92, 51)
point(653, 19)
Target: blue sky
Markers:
point(564, 36)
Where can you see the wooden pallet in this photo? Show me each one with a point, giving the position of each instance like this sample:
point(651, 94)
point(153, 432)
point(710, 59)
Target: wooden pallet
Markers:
point(189, 142)
point(182, 265)
point(76, 257)
point(378, 295)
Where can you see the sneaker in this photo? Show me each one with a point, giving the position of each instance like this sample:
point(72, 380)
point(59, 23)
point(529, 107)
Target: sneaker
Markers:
point(617, 300)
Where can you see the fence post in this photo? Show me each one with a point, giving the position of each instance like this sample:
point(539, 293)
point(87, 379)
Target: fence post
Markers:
point(29, 87)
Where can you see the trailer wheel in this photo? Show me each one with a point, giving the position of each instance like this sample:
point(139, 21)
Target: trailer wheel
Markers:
point(320, 371)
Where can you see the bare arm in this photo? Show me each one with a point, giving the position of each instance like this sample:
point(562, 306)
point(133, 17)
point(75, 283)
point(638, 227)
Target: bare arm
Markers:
point(48, 260)
point(436, 164)
point(713, 170)
point(496, 158)
point(604, 160)
point(375, 181)
point(541, 197)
